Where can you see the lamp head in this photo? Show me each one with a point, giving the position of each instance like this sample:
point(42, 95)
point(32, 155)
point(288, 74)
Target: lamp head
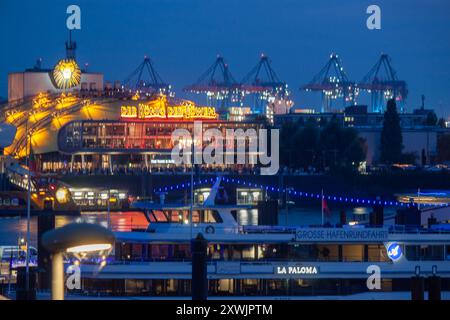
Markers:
point(78, 238)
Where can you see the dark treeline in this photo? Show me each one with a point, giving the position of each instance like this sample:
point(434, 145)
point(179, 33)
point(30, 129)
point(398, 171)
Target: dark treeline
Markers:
point(325, 146)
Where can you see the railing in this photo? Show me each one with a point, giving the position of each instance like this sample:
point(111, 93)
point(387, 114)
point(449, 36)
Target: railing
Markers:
point(397, 229)
point(250, 229)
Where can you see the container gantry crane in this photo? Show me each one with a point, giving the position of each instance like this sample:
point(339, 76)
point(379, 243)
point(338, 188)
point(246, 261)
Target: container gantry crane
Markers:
point(217, 82)
point(334, 84)
point(382, 83)
point(146, 80)
point(263, 85)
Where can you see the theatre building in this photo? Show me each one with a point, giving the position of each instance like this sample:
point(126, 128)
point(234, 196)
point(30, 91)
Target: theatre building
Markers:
point(108, 131)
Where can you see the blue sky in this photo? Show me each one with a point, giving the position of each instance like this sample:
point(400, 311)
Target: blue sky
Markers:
point(183, 38)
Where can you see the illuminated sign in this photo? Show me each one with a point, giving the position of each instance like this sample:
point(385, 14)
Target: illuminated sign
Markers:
point(342, 234)
point(66, 74)
point(394, 251)
point(162, 111)
point(296, 270)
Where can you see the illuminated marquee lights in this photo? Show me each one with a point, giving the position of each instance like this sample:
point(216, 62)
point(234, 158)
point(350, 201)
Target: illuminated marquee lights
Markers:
point(159, 111)
point(42, 100)
point(66, 74)
point(302, 194)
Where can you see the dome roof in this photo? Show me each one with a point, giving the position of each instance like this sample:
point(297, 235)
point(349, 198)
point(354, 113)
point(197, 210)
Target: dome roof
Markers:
point(7, 134)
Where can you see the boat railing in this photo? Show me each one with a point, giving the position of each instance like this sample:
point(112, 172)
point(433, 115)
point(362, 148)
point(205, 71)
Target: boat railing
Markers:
point(398, 229)
point(413, 229)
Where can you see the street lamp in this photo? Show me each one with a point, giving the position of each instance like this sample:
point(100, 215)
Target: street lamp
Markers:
point(75, 238)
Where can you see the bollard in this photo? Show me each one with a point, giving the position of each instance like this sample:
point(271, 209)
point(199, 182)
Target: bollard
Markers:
point(21, 291)
point(434, 288)
point(417, 288)
point(199, 268)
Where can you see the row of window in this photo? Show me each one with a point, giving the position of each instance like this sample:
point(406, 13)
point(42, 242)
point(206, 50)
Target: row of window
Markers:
point(298, 252)
point(232, 287)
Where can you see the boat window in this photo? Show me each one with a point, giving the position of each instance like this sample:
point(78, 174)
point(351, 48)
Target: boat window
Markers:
point(179, 216)
point(212, 216)
point(330, 252)
point(246, 217)
point(424, 252)
point(160, 216)
point(353, 253)
point(377, 253)
point(159, 251)
point(195, 216)
point(175, 216)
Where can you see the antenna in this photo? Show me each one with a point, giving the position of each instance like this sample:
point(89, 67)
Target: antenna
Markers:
point(71, 47)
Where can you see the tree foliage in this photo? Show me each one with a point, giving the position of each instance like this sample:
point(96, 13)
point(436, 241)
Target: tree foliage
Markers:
point(329, 146)
point(391, 135)
point(431, 119)
point(443, 148)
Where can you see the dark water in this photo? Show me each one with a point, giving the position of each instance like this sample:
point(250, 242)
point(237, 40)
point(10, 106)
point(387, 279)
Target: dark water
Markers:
point(13, 228)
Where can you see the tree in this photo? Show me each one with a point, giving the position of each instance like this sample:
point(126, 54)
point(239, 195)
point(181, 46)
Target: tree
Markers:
point(431, 119)
point(443, 148)
point(391, 135)
point(287, 132)
point(330, 139)
point(354, 148)
point(305, 142)
point(312, 145)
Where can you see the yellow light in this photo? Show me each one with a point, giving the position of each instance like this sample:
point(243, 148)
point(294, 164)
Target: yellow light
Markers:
point(62, 195)
point(89, 248)
point(160, 109)
point(66, 74)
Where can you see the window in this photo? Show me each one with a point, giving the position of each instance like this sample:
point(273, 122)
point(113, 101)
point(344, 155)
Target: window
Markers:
point(377, 253)
point(328, 252)
point(353, 253)
point(424, 252)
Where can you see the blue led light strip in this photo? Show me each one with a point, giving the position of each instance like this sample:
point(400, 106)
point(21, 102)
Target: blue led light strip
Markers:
point(303, 194)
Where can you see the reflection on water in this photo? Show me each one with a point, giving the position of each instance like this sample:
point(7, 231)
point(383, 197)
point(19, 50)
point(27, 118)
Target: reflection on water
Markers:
point(13, 228)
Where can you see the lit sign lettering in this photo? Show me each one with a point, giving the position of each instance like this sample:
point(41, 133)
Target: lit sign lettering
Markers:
point(296, 270)
point(160, 111)
point(341, 234)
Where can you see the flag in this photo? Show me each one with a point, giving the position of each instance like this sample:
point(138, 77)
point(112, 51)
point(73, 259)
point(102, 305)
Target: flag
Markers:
point(32, 161)
point(325, 208)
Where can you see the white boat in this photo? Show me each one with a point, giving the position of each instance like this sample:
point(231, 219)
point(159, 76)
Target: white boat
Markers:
point(245, 259)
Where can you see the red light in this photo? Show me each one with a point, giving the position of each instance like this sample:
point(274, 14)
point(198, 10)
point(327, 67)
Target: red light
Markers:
point(52, 187)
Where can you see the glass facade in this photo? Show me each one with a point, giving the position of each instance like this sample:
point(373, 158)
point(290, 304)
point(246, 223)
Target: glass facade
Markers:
point(131, 137)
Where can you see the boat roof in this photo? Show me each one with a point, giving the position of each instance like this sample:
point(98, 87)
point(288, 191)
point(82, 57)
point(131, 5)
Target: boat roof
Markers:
point(158, 206)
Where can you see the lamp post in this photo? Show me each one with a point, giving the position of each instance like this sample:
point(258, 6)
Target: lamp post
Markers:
point(28, 236)
point(73, 238)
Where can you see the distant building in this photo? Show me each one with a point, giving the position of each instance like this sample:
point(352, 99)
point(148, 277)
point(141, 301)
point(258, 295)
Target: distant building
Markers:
point(418, 138)
point(34, 81)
